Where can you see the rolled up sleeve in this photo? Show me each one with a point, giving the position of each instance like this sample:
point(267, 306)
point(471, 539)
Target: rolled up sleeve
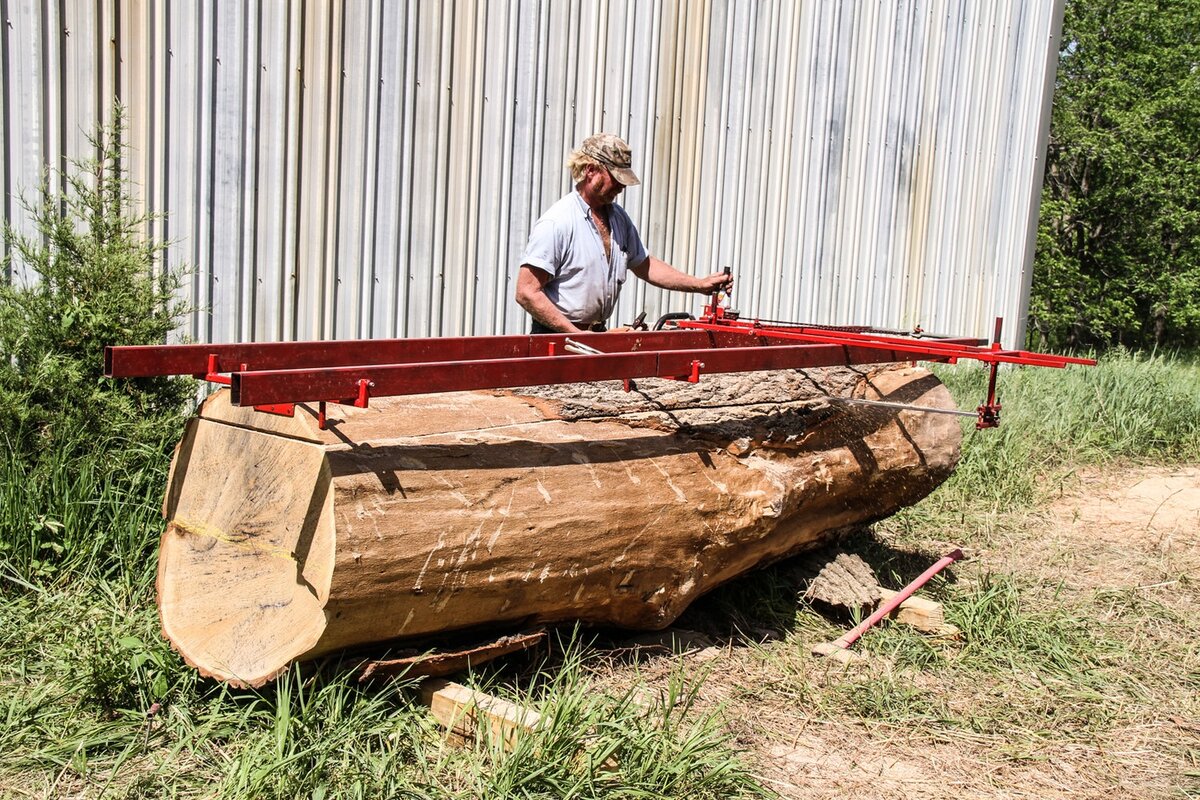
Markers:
point(544, 249)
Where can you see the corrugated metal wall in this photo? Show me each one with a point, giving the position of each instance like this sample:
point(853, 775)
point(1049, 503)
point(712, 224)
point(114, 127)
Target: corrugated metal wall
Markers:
point(372, 168)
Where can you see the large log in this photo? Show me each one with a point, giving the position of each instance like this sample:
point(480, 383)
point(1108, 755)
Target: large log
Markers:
point(436, 513)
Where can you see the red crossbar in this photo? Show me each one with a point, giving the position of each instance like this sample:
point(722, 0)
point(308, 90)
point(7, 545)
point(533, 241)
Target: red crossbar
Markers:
point(336, 383)
point(194, 359)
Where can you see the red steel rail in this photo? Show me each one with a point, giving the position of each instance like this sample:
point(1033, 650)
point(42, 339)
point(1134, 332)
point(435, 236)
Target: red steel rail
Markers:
point(274, 376)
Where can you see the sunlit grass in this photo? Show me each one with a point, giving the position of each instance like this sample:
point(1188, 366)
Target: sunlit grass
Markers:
point(95, 514)
point(93, 702)
point(1129, 406)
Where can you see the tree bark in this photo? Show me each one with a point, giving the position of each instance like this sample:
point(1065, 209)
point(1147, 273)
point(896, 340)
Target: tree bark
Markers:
point(429, 514)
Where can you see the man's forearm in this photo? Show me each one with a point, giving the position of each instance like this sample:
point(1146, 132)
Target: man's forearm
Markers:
point(538, 306)
point(661, 274)
point(531, 296)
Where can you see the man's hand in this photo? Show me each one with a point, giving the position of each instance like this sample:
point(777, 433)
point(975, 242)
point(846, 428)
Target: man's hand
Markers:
point(717, 282)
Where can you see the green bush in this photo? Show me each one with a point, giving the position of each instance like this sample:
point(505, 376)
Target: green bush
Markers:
point(77, 449)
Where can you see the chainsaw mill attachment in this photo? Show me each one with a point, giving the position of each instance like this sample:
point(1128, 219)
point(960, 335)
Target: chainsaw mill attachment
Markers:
point(274, 376)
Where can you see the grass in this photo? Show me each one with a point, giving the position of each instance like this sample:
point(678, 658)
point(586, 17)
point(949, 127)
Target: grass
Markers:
point(78, 718)
point(1071, 662)
point(1129, 407)
point(660, 748)
point(94, 703)
point(96, 513)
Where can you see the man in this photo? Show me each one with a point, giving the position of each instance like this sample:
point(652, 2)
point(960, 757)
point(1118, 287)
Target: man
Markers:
point(580, 250)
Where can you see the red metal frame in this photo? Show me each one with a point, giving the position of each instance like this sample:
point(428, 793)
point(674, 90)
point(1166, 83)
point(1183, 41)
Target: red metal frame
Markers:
point(717, 318)
point(274, 376)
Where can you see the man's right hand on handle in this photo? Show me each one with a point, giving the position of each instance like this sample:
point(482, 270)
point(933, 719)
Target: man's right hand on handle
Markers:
point(717, 282)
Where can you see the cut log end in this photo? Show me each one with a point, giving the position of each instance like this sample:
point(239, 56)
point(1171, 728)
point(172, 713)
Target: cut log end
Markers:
point(212, 619)
point(246, 560)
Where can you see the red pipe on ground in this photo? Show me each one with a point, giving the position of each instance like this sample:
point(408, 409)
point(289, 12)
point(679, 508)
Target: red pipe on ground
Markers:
point(850, 637)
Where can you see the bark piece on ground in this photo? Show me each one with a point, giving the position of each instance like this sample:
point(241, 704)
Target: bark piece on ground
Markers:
point(436, 663)
point(846, 581)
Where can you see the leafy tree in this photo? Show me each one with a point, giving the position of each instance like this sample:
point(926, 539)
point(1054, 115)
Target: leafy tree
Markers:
point(98, 283)
point(1118, 257)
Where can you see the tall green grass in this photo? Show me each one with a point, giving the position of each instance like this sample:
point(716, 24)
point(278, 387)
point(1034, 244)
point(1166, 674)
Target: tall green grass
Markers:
point(596, 744)
point(1130, 406)
point(86, 507)
point(93, 703)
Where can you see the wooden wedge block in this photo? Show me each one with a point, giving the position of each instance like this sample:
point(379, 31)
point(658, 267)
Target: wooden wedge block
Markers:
point(921, 613)
point(464, 712)
point(839, 654)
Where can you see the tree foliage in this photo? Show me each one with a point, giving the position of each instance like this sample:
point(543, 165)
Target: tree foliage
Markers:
point(1118, 257)
point(98, 282)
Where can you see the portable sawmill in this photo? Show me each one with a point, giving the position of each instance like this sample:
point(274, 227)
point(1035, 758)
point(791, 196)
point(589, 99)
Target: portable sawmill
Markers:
point(340, 494)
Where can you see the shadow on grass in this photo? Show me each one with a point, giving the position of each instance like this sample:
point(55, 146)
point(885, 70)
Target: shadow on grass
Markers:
point(769, 603)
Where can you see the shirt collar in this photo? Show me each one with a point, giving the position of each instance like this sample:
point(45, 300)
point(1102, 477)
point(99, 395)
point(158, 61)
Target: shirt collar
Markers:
point(584, 208)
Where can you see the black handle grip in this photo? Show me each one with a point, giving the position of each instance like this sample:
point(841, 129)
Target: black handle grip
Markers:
point(665, 318)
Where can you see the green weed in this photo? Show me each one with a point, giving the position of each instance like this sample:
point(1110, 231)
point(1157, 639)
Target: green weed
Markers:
point(82, 512)
point(91, 698)
point(82, 458)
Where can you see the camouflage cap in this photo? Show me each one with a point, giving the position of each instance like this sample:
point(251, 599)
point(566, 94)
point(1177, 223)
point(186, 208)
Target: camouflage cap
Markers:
point(613, 153)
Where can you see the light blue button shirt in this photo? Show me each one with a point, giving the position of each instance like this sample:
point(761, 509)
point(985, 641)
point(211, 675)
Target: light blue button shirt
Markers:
point(565, 244)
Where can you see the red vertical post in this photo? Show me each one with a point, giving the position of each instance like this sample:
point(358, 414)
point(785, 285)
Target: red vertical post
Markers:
point(989, 412)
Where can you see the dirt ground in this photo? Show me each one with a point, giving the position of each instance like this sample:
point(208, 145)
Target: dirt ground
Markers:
point(1129, 528)
point(1126, 533)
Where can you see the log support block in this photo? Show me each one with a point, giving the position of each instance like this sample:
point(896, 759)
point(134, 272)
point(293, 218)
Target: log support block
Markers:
point(466, 713)
point(921, 613)
point(841, 655)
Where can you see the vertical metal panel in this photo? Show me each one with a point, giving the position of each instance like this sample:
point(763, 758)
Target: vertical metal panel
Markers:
point(27, 82)
point(5, 138)
point(180, 223)
point(393, 200)
point(333, 169)
point(268, 173)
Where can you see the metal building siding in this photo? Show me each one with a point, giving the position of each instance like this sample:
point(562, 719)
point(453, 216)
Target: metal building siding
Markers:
point(372, 169)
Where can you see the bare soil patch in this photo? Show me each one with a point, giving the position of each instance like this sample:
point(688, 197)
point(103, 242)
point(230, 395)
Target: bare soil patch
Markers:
point(1136, 528)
